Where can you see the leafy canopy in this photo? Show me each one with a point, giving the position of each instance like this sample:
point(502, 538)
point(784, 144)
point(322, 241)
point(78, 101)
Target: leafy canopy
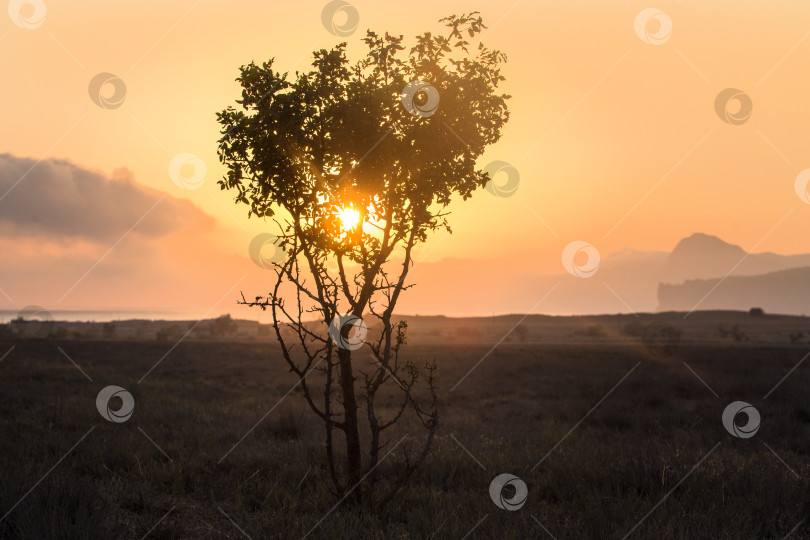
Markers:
point(339, 137)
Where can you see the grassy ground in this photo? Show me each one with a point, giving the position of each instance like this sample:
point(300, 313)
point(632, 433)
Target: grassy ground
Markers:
point(524, 410)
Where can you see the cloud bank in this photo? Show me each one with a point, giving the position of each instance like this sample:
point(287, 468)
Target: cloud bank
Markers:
point(72, 237)
point(58, 199)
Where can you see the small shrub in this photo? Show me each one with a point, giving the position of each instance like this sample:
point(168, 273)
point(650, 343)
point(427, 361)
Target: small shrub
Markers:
point(633, 329)
point(108, 330)
point(595, 330)
point(60, 333)
point(735, 333)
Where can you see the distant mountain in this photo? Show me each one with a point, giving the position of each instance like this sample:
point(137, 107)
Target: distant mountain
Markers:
point(627, 280)
point(785, 292)
point(702, 256)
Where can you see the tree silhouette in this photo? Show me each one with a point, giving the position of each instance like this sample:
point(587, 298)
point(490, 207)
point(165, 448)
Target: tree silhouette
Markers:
point(356, 163)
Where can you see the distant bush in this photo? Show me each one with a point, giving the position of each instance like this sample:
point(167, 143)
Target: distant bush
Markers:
point(633, 329)
point(108, 330)
point(756, 312)
point(60, 332)
point(595, 330)
point(222, 326)
point(735, 333)
point(169, 332)
point(662, 338)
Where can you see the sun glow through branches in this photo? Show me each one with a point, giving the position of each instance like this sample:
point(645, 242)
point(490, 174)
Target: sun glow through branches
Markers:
point(349, 218)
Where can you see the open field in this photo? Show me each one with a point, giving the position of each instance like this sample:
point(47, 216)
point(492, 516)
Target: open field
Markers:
point(606, 431)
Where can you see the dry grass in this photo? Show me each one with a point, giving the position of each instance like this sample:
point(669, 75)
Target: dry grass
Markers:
point(599, 482)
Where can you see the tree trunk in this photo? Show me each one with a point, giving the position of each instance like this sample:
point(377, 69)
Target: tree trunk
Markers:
point(353, 456)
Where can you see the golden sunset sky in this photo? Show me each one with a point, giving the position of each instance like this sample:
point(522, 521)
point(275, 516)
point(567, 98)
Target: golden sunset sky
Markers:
point(616, 140)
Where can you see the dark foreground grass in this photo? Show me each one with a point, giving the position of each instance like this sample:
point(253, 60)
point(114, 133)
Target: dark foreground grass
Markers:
point(628, 468)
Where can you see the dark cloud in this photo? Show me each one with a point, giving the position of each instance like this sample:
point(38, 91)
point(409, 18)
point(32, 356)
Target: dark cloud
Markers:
point(59, 199)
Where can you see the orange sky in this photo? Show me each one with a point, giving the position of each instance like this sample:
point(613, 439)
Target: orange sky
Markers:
point(616, 140)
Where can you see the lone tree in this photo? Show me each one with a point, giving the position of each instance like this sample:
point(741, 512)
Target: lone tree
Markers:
point(358, 163)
